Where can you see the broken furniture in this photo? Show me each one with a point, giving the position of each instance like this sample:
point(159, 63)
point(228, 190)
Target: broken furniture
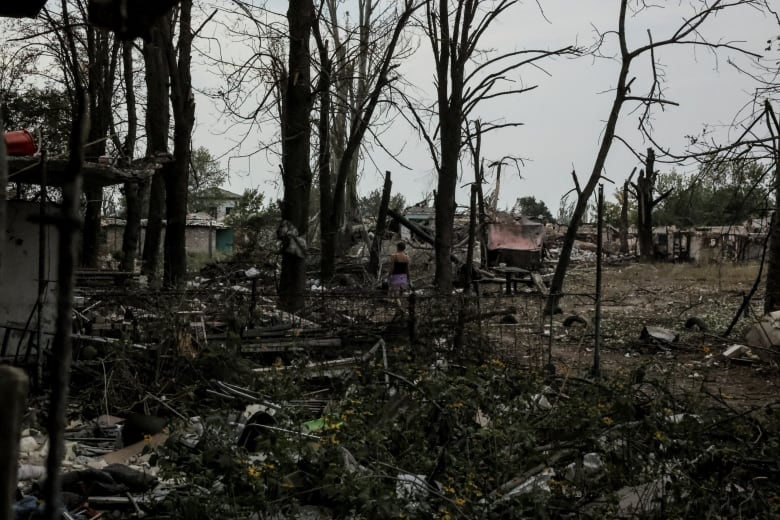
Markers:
point(513, 275)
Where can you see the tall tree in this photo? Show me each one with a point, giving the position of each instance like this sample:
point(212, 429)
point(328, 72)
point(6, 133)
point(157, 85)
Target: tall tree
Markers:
point(772, 299)
point(102, 56)
point(455, 30)
point(361, 113)
point(157, 129)
point(98, 55)
point(176, 179)
point(688, 32)
point(132, 190)
point(296, 142)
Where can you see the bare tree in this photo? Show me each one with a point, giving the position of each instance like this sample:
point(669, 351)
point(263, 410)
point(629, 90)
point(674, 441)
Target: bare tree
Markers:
point(132, 190)
point(465, 76)
point(772, 299)
point(157, 129)
point(688, 32)
point(296, 142)
point(644, 189)
point(98, 55)
point(361, 113)
point(176, 178)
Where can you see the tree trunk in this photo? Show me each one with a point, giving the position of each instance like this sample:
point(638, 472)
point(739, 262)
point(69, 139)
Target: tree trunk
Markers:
point(133, 191)
point(645, 184)
point(154, 225)
point(360, 118)
point(772, 299)
point(556, 286)
point(102, 56)
point(157, 123)
point(374, 263)
point(624, 219)
point(353, 215)
point(449, 93)
point(90, 240)
point(327, 251)
point(296, 137)
point(177, 177)
point(445, 197)
point(132, 226)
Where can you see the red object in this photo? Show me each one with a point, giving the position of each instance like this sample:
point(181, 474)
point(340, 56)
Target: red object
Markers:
point(19, 142)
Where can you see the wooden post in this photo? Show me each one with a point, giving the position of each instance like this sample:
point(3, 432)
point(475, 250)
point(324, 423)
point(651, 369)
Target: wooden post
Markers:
point(376, 245)
point(13, 390)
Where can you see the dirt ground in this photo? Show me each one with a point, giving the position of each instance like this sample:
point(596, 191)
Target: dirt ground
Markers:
point(667, 295)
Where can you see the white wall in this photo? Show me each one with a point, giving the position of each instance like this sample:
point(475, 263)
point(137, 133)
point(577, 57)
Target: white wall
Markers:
point(19, 270)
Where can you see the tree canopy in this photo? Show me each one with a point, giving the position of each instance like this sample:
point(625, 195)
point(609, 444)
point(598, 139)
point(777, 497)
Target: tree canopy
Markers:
point(719, 194)
point(532, 208)
point(46, 109)
point(206, 175)
point(369, 204)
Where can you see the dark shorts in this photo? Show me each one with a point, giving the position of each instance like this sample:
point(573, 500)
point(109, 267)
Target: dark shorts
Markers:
point(398, 282)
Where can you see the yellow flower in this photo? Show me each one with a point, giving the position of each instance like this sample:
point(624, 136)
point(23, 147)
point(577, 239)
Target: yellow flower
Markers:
point(253, 472)
point(333, 439)
point(706, 349)
point(659, 435)
point(608, 421)
point(269, 465)
point(147, 438)
point(460, 501)
point(456, 404)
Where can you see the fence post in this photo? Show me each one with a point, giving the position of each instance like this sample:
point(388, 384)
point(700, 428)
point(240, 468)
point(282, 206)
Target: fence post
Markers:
point(13, 390)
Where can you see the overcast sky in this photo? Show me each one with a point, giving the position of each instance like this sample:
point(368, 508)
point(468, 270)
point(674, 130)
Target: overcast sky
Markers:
point(564, 117)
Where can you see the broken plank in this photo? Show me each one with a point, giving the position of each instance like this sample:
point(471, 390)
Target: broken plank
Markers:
point(128, 452)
